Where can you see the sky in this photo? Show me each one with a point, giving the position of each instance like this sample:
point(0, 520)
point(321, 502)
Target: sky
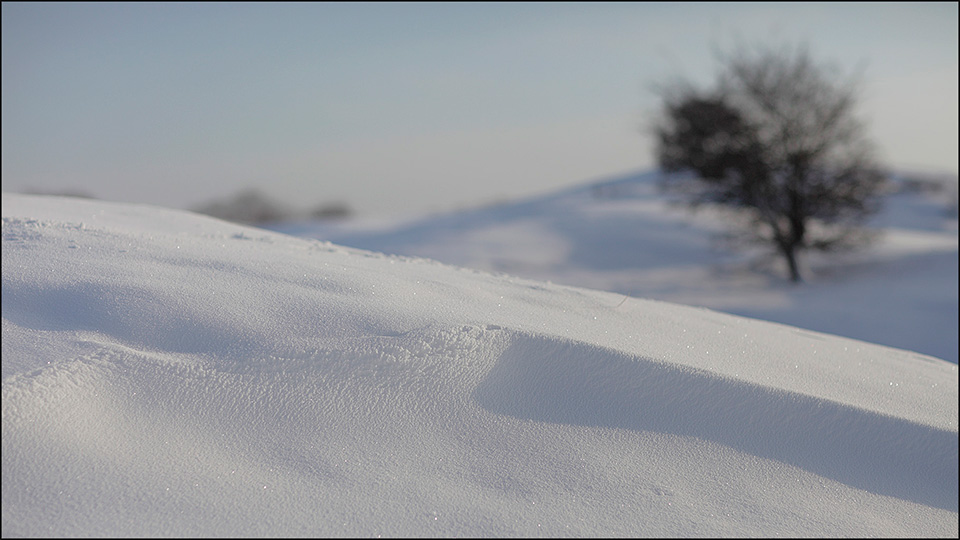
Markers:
point(409, 108)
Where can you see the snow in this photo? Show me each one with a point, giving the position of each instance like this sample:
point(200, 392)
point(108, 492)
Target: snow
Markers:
point(166, 373)
point(622, 235)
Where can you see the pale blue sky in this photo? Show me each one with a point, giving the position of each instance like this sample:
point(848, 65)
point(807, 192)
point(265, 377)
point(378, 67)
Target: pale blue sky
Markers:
point(408, 108)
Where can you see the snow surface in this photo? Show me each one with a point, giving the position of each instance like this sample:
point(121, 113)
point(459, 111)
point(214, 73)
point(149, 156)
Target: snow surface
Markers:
point(170, 374)
point(622, 235)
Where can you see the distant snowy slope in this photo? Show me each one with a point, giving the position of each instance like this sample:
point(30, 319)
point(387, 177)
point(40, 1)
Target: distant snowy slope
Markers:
point(622, 235)
point(170, 374)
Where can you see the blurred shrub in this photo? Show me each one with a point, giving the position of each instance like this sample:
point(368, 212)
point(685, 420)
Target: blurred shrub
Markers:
point(250, 207)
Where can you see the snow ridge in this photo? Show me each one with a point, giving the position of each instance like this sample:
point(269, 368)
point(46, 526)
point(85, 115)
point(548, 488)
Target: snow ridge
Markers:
point(169, 374)
point(577, 383)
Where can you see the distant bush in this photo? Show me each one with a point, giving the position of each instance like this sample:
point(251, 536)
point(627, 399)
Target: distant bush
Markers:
point(78, 193)
point(253, 207)
point(249, 207)
point(327, 211)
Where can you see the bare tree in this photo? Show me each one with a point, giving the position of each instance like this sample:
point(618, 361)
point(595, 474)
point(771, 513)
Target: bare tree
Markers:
point(777, 137)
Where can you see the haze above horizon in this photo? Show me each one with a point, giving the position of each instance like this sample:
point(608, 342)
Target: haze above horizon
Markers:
point(406, 108)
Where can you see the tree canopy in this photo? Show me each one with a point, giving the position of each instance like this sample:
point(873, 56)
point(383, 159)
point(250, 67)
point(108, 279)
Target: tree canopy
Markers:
point(776, 136)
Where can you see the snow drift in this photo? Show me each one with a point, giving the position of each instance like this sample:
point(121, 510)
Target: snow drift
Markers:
point(170, 374)
point(624, 235)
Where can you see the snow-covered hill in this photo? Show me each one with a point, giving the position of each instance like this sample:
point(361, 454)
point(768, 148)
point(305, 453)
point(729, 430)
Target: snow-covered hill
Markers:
point(170, 374)
point(622, 235)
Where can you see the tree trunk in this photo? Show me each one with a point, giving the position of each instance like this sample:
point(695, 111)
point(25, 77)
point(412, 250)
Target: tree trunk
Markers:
point(798, 231)
point(790, 253)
